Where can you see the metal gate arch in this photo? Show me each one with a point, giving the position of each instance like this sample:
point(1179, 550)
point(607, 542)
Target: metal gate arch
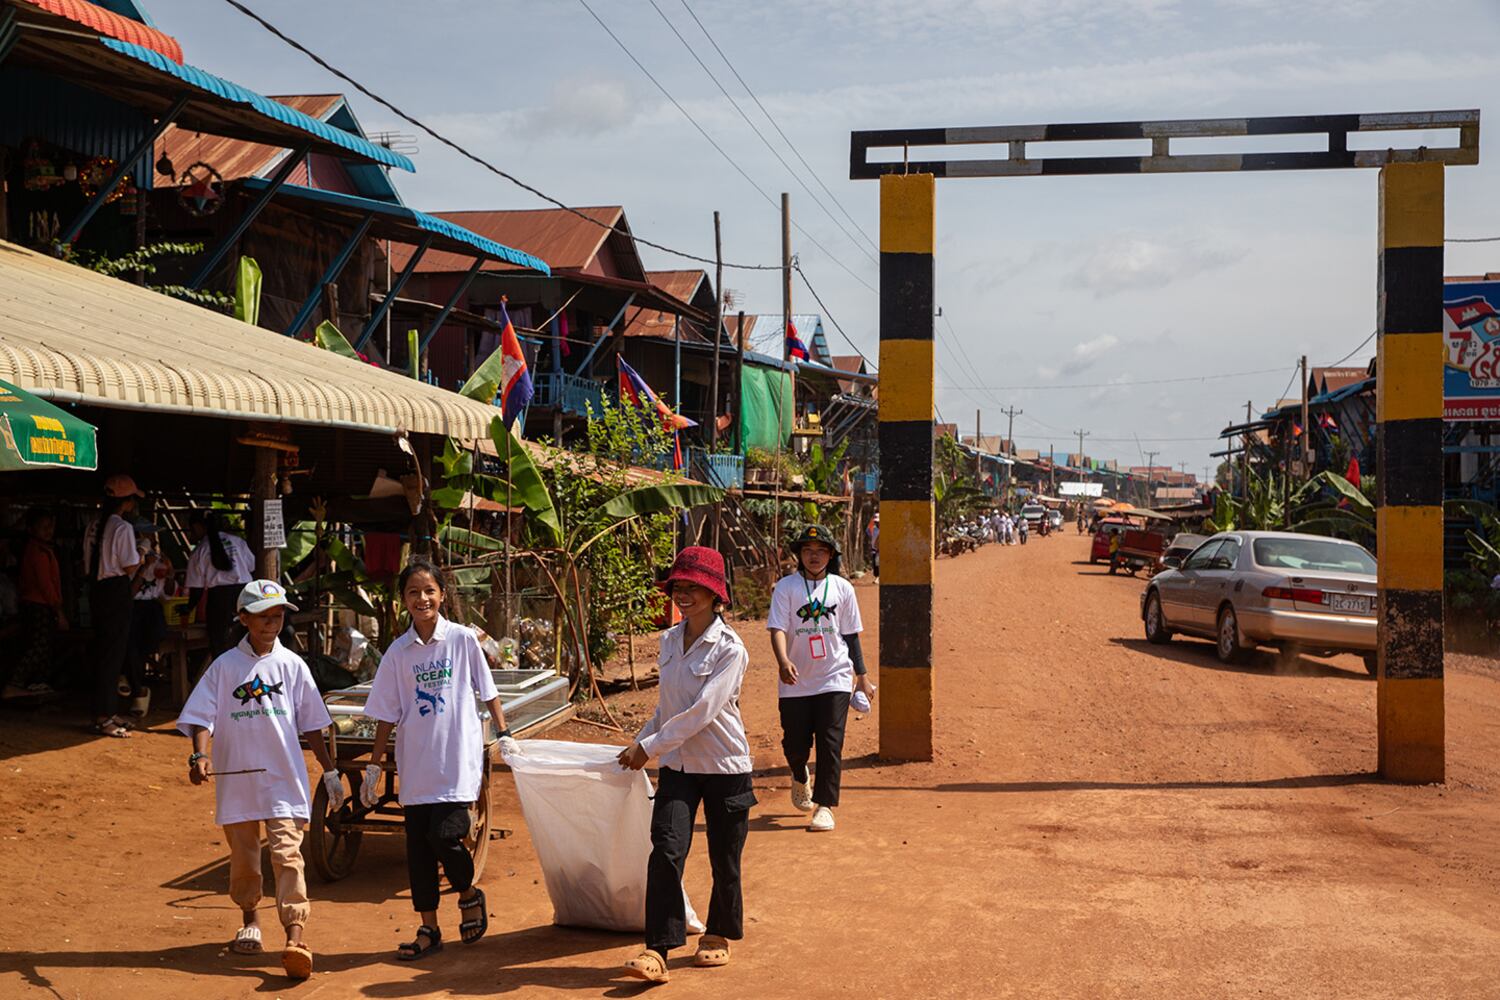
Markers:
point(1409, 389)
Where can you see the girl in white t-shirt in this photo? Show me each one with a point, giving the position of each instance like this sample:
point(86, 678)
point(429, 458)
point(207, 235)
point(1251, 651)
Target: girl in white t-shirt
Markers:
point(425, 688)
point(815, 625)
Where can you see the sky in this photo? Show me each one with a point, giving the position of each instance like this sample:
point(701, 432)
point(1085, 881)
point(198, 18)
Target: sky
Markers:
point(1059, 295)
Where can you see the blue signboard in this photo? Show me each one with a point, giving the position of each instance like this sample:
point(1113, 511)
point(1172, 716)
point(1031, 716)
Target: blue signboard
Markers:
point(1471, 372)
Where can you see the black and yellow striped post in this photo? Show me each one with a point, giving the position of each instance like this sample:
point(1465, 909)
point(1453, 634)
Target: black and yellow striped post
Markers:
point(906, 444)
point(1409, 462)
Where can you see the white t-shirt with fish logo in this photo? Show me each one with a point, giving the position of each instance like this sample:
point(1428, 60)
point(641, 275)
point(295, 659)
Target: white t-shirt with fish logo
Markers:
point(255, 707)
point(428, 689)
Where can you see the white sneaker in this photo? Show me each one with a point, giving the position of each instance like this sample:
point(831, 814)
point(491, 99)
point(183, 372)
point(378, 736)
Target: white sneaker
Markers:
point(802, 795)
point(822, 820)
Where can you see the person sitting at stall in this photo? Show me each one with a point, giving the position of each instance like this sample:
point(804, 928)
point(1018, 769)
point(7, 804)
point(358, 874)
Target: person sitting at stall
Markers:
point(221, 564)
point(815, 624)
point(148, 622)
point(425, 687)
point(699, 739)
point(111, 563)
point(39, 594)
point(254, 701)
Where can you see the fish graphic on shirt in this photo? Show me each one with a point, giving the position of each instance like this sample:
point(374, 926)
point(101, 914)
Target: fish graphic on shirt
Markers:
point(428, 702)
point(815, 611)
point(257, 689)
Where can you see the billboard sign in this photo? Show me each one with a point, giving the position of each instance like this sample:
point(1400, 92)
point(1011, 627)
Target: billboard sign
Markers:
point(1471, 370)
point(1080, 489)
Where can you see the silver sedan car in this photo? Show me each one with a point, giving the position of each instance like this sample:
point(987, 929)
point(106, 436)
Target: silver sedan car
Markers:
point(1268, 588)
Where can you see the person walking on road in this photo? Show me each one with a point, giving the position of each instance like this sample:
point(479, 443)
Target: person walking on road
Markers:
point(814, 624)
point(254, 701)
point(424, 688)
point(699, 739)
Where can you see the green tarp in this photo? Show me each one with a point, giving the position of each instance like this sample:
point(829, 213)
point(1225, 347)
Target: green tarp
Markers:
point(765, 408)
point(38, 435)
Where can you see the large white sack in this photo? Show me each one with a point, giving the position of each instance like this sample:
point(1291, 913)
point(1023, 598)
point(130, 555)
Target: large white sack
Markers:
point(590, 822)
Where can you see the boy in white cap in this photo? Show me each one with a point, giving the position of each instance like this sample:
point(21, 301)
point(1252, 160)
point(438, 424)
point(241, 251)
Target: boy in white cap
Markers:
point(254, 700)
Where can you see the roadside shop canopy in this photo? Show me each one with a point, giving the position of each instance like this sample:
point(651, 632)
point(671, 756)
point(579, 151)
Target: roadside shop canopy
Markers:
point(40, 435)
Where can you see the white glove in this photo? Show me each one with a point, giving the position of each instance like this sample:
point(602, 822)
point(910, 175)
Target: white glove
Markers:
point(509, 747)
point(369, 788)
point(333, 783)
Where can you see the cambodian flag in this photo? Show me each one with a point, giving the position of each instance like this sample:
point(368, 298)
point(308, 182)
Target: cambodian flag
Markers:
point(1296, 429)
point(1326, 421)
point(515, 384)
point(795, 348)
point(633, 389)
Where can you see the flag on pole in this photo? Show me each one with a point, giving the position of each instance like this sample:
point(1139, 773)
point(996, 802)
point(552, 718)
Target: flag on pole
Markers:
point(1352, 473)
point(1296, 429)
point(795, 348)
point(633, 389)
point(515, 380)
point(1326, 421)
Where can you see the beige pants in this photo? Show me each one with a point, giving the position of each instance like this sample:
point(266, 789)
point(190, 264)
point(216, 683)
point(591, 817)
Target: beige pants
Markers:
point(284, 837)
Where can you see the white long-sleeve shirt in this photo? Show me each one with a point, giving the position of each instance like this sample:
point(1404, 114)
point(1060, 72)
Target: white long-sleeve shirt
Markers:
point(697, 727)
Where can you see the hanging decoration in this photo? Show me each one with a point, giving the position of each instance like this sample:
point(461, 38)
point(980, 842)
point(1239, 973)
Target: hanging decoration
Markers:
point(200, 189)
point(95, 173)
point(39, 170)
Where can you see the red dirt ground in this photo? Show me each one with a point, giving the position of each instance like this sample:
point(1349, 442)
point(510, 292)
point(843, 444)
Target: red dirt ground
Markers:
point(1103, 819)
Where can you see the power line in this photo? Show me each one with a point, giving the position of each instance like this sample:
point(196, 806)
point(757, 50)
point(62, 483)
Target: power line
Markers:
point(1111, 385)
point(1362, 343)
point(758, 134)
point(711, 141)
point(1474, 239)
point(796, 266)
point(785, 138)
point(474, 157)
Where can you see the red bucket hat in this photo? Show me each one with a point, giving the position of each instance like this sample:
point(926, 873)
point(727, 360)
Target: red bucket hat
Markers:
point(703, 566)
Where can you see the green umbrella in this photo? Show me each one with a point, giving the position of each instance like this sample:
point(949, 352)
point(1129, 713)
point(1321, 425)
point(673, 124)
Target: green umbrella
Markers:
point(38, 434)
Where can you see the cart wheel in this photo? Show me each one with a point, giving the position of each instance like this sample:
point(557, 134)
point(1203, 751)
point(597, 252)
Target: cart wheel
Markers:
point(331, 851)
point(478, 840)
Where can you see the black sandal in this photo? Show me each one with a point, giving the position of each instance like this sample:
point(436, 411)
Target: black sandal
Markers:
point(413, 950)
point(472, 930)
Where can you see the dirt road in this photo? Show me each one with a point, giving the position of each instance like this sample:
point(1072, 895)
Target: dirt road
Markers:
point(1103, 819)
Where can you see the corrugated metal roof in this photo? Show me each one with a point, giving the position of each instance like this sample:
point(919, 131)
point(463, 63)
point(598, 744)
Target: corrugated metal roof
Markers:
point(109, 24)
point(237, 158)
point(423, 221)
point(67, 333)
point(233, 92)
point(660, 325)
point(561, 238)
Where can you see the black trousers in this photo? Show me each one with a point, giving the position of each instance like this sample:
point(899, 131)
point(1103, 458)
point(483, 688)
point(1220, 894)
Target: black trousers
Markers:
point(816, 719)
point(148, 627)
point(220, 622)
point(435, 835)
point(110, 606)
point(37, 662)
point(726, 800)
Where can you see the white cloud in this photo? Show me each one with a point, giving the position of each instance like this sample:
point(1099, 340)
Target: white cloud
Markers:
point(1136, 262)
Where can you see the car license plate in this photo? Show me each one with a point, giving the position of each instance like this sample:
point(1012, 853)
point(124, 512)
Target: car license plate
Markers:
point(1351, 603)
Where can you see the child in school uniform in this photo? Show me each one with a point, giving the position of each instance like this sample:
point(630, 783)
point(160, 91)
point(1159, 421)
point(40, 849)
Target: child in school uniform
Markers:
point(425, 688)
point(814, 624)
point(254, 700)
point(698, 737)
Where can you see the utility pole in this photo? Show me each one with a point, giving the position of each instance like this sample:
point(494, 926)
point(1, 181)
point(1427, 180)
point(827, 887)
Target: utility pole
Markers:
point(1306, 430)
point(1081, 435)
point(1010, 427)
point(1245, 454)
point(1150, 475)
point(786, 275)
point(978, 459)
point(713, 391)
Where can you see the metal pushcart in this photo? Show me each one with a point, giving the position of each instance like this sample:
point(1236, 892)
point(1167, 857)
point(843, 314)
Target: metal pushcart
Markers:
point(531, 698)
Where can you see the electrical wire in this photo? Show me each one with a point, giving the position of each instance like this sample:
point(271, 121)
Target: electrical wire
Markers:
point(1473, 239)
point(712, 142)
point(758, 134)
point(797, 266)
point(1362, 343)
point(1111, 385)
point(785, 138)
point(474, 157)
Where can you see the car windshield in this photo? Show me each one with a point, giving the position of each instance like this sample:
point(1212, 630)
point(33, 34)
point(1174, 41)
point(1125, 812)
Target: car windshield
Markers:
point(1313, 555)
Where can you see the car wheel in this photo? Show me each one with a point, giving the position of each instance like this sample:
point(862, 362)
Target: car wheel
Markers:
point(1156, 626)
point(1228, 646)
point(1372, 664)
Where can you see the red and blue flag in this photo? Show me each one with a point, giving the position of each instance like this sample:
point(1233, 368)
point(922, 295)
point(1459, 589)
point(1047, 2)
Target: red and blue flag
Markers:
point(795, 348)
point(515, 381)
point(1326, 421)
point(634, 390)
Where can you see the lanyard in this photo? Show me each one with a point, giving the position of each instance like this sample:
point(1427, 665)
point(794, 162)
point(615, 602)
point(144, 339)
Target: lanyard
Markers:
point(822, 601)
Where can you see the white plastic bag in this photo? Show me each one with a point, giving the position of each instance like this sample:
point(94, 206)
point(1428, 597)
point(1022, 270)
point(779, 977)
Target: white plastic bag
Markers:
point(590, 822)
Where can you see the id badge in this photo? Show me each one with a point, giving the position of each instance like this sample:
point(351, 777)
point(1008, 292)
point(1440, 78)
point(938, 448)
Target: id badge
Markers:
point(817, 647)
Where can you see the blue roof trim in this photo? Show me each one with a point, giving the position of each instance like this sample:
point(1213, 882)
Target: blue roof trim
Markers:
point(422, 220)
point(195, 77)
